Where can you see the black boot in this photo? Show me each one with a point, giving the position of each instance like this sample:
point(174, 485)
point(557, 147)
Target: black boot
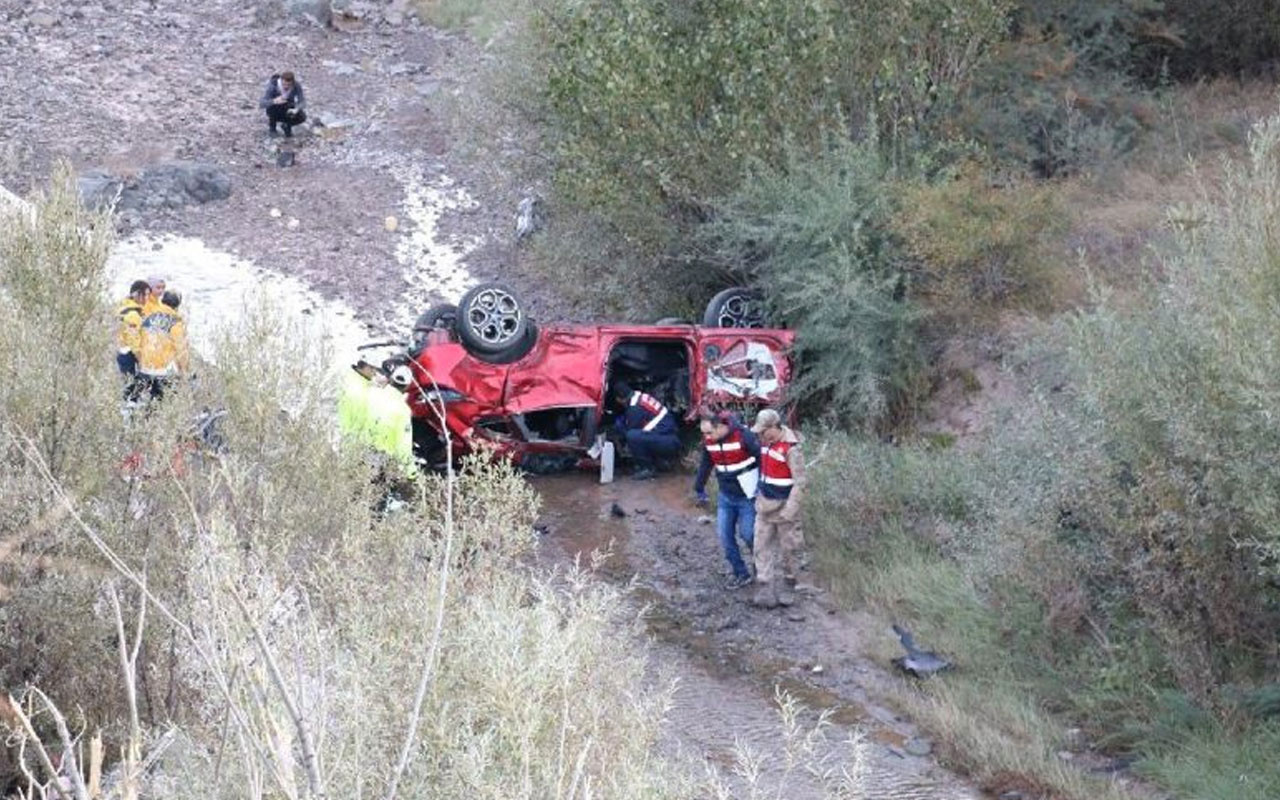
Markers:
point(272, 130)
point(288, 131)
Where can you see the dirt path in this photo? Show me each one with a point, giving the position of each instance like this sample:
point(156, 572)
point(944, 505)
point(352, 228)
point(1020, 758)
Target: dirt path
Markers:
point(731, 657)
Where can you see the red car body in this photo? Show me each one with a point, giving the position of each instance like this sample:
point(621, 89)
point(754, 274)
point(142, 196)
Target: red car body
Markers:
point(548, 407)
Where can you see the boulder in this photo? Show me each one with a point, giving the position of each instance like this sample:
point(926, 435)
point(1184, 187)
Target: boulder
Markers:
point(161, 186)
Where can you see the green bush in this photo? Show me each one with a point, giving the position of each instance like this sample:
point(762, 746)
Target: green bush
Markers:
point(1227, 37)
point(980, 248)
point(815, 236)
point(658, 108)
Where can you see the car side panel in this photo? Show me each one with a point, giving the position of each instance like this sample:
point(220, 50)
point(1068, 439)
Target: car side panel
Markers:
point(563, 369)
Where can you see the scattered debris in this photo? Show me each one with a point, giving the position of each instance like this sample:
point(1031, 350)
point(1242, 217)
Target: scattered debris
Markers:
point(704, 520)
point(918, 746)
point(917, 663)
point(293, 223)
point(274, 213)
point(286, 158)
point(817, 669)
point(391, 223)
point(616, 510)
point(528, 220)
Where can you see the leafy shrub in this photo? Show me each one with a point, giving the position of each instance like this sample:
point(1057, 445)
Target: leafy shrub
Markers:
point(1061, 95)
point(815, 236)
point(1229, 37)
point(979, 247)
point(658, 108)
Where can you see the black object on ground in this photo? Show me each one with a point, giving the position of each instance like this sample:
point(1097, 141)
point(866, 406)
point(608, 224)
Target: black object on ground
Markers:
point(918, 663)
point(616, 510)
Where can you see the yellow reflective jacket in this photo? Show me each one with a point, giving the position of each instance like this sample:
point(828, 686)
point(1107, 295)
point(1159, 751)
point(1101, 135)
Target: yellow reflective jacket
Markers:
point(129, 318)
point(162, 342)
point(376, 416)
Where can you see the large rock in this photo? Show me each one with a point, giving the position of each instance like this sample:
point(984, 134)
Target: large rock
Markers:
point(161, 186)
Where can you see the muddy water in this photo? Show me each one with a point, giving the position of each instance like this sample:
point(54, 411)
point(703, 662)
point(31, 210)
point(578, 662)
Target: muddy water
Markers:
point(732, 659)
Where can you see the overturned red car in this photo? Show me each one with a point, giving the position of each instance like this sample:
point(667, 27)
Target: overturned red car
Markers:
point(495, 381)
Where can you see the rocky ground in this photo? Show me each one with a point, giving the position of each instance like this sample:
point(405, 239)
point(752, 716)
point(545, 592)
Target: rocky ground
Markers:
point(730, 656)
point(122, 86)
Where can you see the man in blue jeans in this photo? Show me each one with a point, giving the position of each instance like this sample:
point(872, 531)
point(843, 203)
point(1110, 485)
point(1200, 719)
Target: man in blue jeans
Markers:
point(733, 452)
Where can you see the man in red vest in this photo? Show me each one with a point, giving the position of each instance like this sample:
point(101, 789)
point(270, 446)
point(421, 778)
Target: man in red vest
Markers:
point(733, 453)
point(777, 533)
point(651, 430)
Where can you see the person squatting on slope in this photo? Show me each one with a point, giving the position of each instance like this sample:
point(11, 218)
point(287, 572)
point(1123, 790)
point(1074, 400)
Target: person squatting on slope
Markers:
point(284, 103)
point(777, 532)
point(734, 454)
point(651, 430)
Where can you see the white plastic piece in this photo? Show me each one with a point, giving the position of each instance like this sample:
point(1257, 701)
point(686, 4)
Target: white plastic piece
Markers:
point(606, 463)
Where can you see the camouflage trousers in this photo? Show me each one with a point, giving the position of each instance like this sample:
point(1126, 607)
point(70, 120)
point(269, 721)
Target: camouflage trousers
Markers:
point(777, 541)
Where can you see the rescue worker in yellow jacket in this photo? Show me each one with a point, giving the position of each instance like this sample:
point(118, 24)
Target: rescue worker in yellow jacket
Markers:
point(163, 352)
point(155, 297)
point(129, 320)
point(375, 414)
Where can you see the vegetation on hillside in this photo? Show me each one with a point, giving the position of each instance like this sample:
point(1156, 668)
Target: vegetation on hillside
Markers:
point(255, 613)
point(899, 177)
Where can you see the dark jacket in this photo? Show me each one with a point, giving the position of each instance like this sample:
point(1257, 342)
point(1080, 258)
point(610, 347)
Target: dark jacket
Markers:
point(296, 99)
point(728, 482)
point(646, 413)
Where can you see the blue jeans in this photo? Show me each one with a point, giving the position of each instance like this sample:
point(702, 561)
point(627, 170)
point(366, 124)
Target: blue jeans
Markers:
point(738, 513)
point(647, 447)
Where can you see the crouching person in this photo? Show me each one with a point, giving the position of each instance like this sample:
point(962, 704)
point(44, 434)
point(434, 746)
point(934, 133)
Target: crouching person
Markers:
point(650, 429)
point(284, 103)
point(777, 534)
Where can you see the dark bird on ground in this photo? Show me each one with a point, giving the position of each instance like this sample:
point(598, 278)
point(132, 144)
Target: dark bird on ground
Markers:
point(917, 663)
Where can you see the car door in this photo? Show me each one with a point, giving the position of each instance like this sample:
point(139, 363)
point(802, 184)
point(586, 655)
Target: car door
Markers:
point(738, 366)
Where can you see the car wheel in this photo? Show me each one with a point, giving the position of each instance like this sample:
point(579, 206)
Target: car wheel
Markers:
point(516, 351)
point(737, 307)
point(491, 320)
point(442, 316)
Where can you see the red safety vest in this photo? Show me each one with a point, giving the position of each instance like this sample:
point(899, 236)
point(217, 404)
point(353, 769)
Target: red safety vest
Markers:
point(775, 473)
point(729, 455)
point(650, 404)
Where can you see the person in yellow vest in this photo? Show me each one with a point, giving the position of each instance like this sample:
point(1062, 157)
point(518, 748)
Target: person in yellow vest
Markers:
point(128, 335)
point(155, 295)
point(163, 353)
point(777, 534)
point(375, 414)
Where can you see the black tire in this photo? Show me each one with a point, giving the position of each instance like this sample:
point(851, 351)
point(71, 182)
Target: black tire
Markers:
point(491, 321)
point(736, 307)
point(443, 315)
